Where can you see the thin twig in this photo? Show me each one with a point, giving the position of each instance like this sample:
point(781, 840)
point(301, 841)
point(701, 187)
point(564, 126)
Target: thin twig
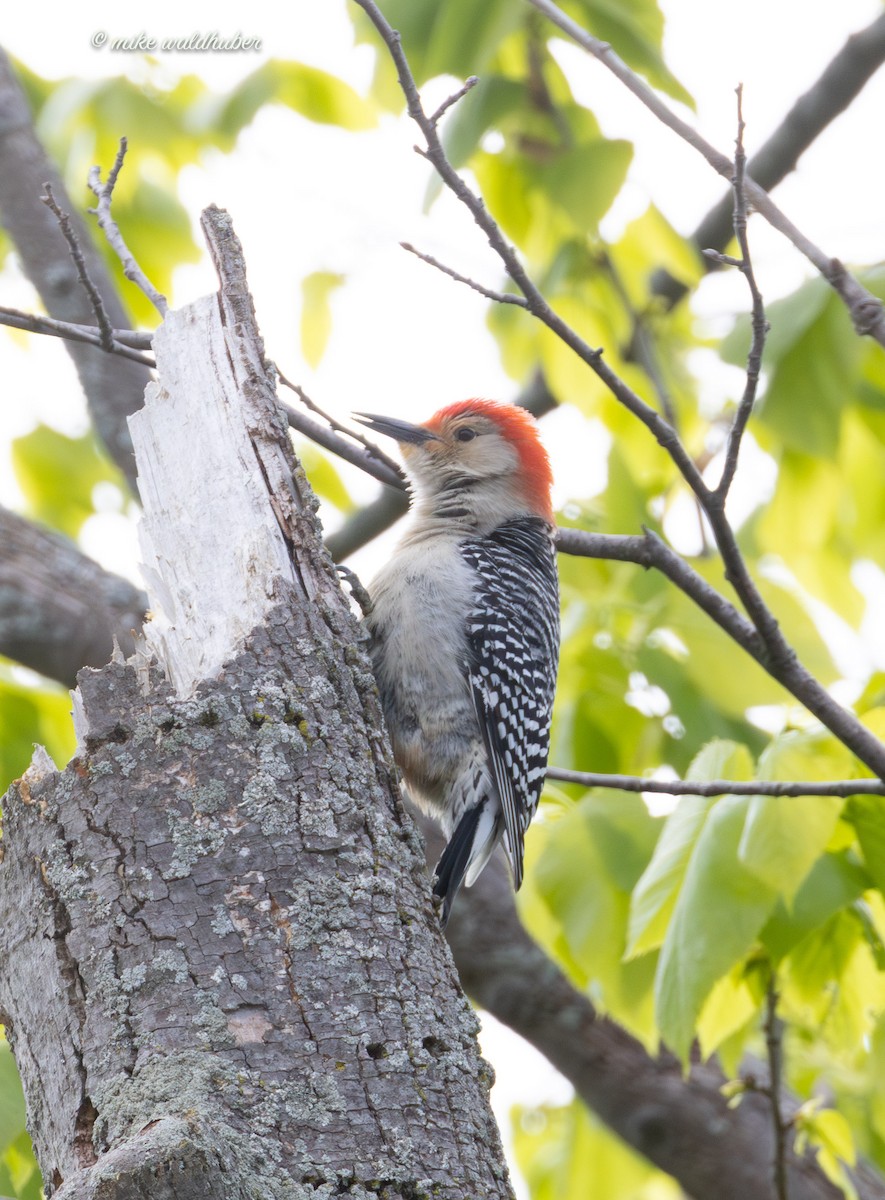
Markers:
point(489, 293)
point(64, 221)
point(107, 224)
point(774, 1045)
point(376, 452)
point(125, 342)
point(759, 324)
point(719, 787)
point(643, 350)
point(542, 99)
point(358, 456)
point(454, 98)
point(642, 343)
point(838, 85)
point(867, 311)
point(720, 259)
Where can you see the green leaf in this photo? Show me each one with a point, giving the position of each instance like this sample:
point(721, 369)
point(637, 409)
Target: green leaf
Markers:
point(818, 551)
point(316, 313)
point(811, 384)
point(831, 983)
point(731, 1006)
point(790, 320)
point(589, 863)
point(784, 835)
point(651, 239)
point(867, 815)
point(585, 180)
point(655, 895)
point(834, 882)
point(57, 475)
point(456, 38)
point(81, 121)
point(29, 715)
point(565, 1153)
point(719, 911)
point(324, 478)
point(829, 1134)
point(12, 1102)
point(19, 1174)
point(506, 194)
point(313, 93)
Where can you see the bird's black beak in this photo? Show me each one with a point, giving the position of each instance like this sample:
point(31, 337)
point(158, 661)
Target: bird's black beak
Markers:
point(402, 431)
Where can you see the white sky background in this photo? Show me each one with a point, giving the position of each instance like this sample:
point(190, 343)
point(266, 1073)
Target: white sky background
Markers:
point(405, 339)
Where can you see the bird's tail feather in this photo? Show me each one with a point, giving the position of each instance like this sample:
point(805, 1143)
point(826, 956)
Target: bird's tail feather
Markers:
point(468, 851)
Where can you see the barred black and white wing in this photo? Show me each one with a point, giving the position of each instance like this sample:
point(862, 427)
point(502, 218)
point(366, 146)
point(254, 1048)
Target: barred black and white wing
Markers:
point(513, 636)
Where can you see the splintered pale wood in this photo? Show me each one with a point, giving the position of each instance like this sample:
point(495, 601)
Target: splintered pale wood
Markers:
point(213, 555)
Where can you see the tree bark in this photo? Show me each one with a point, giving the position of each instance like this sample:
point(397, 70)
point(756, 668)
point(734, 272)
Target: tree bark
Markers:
point(220, 968)
point(59, 610)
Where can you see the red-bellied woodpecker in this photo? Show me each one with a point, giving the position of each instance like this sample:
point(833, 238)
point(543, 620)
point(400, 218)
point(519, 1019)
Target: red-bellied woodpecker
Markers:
point(465, 630)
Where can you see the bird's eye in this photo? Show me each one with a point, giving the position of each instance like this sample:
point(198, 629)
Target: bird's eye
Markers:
point(465, 435)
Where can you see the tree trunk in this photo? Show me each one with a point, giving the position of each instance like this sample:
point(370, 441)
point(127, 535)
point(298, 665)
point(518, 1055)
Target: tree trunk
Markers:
point(220, 969)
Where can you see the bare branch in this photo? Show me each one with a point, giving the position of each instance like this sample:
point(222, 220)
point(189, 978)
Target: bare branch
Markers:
point(336, 444)
point(758, 322)
point(767, 645)
point(649, 550)
point(366, 524)
point(124, 342)
point(64, 222)
point(454, 98)
point(642, 346)
point(867, 311)
point(719, 787)
point(489, 293)
point(114, 387)
point(59, 610)
point(375, 451)
point(107, 224)
point(721, 260)
point(841, 81)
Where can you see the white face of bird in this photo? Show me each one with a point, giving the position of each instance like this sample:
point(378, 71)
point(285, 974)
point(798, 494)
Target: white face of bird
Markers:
point(468, 445)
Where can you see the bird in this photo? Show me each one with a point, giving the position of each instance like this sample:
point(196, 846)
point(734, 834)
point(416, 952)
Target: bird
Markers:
point(464, 630)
